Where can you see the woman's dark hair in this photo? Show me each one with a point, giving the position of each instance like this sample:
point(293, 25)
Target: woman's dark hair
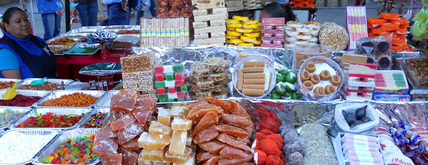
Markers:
point(276, 9)
point(8, 14)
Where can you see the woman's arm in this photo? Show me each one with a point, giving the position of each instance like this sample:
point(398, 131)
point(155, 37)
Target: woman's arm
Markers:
point(9, 64)
point(14, 74)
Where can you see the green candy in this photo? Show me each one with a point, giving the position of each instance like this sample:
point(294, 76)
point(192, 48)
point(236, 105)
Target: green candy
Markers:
point(291, 77)
point(275, 96)
point(289, 87)
point(280, 78)
point(280, 88)
point(287, 95)
point(283, 72)
point(294, 96)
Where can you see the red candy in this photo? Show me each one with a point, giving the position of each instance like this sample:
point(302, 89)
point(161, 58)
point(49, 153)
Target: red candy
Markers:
point(51, 120)
point(20, 100)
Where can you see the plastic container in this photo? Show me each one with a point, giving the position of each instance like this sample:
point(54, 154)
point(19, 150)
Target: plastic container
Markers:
point(303, 52)
point(309, 95)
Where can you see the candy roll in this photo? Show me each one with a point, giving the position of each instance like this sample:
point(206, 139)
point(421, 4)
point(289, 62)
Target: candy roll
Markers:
point(253, 92)
point(254, 81)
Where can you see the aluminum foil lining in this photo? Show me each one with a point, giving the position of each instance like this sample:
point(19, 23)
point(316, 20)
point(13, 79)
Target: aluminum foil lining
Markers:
point(58, 94)
point(28, 93)
point(55, 81)
point(131, 38)
point(21, 146)
point(93, 112)
point(104, 101)
point(88, 29)
point(57, 111)
point(53, 146)
point(22, 110)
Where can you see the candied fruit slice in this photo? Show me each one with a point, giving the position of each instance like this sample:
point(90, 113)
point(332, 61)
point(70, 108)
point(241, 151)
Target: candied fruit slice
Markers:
point(132, 144)
point(129, 157)
point(156, 127)
point(237, 161)
point(179, 111)
point(205, 135)
point(146, 103)
point(227, 106)
point(181, 124)
point(111, 159)
point(237, 109)
point(212, 161)
point(141, 114)
point(212, 146)
point(198, 114)
point(206, 121)
point(103, 144)
point(164, 116)
point(201, 103)
point(123, 122)
point(124, 135)
point(230, 152)
point(123, 101)
point(202, 157)
point(178, 159)
point(153, 140)
point(231, 130)
point(227, 139)
point(178, 143)
point(236, 120)
point(153, 155)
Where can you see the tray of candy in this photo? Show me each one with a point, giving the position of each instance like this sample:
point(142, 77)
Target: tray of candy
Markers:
point(98, 115)
point(58, 94)
point(416, 73)
point(50, 122)
point(83, 49)
point(21, 146)
point(31, 93)
point(59, 49)
point(60, 40)
point(26, 84)
point(104, 101)
point(53, 147)
point(6, 83)
point(9, 115)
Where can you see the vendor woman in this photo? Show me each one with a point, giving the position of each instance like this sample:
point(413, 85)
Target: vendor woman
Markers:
point(23, 55)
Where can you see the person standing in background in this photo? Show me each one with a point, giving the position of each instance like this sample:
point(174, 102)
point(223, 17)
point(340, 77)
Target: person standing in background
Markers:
point(51, 17)
point(144, 5)
point(117, 12)
point(88, 12)
point(276, 9)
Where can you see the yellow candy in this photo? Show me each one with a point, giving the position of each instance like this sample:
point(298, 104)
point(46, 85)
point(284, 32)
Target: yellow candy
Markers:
point(259, 41)
point(231, 45)
point(246, 44)
point(251, 26)
point(235, 41)
point(234, 25)
point(252, 22)
point(232, 21)
point(240, 18)
point(231, 29)
point(233, 33)
point(231, 37)
point(255, 35)
point(242, 30)
point(249, 39)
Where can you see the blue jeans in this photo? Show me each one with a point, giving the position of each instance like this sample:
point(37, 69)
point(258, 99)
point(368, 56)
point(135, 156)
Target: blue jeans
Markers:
point(88, 13)
point(51, 24)
point(116, 16)
point(152, 12)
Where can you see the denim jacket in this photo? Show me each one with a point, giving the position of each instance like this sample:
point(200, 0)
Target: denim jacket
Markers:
point(48, 6)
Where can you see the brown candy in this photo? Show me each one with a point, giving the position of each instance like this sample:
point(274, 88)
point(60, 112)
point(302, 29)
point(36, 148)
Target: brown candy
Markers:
point(308, 84)
point(315, 78)
point(319, 90)
point(310, 67)
point(336, 80)
point(325, 75)
point(329, 89)
point(305, 75)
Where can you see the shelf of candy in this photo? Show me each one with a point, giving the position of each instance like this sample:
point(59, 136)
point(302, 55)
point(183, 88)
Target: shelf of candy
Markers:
point(302, 3)
point(174, 8)
point(243, 32)
point(285, 87)
point(138, 73)
point(318, 147)
point(415, 70)
point(209, 78)
point(357, 149)
point(234, 5)
point(393, 27)
point(333, 35)
point(168, 139)
point(164, 32)
point(301, 33)
point(303, 52)
point(209, 26)
point(361, 81)
point(170, 83)
point(222, 131)
point(410, 143)
point(129, 116)
point(273, 32)
point(25, 98)
point(356, 24)
point(391, 83)
point(252, 4)
point(71, 147)
point(20, 146)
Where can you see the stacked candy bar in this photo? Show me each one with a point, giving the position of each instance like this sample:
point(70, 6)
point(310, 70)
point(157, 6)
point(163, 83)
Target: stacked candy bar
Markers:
point(170, 83)
point(137, 73)
point(301, 33)
point(243, 32)
point(361, 81)
point(252, 4)
point(391, 85)
point(273, 32)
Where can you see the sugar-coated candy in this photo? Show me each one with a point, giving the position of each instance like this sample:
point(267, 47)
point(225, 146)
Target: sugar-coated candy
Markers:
point(172, 96)
point(8, 116)
point(157, 127)
point(296, 159)
point(51, 120)
point(96, 120)
point(183, 89)
point(171, 90)
point(178, 68)
point(178, 143)
point(181, 124)
point(159, 70)
point(179, 83)
point(178, 76)
point(160, 84)
point(170, 83)
point(296, 146)
point(169, 77)
point(290, 137)
point(152, 154)
point(161, 97)
point(182, 95)
point(161, 91)
point(159, 77)
point(164, 116)
point(153, 141)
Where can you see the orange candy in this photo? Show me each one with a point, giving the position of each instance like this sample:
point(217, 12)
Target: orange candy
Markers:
point(389, 27)
point(376, 21)
point(396, 48)
point(398, 42)
point(377, 31)
point(389, 15)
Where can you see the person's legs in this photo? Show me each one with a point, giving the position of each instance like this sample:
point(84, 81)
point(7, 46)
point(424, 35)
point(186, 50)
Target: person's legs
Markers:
point(57, 29)
point(139, 14)
point(48, 25)
point(82, 8)
point(153, 8)
point(116, 16)
point(93, 13)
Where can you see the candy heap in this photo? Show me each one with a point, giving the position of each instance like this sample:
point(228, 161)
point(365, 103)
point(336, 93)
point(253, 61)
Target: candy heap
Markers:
point(390, 25)
point(168, 141)
point(361, 81)
point(138, 74)
point(210, 26)
point(96, 120)
point(222, 131)
point(20, 100)
point(209, 78)
point(243, 32)
point(302, 3)
point(301, 33)
point(273, 32)
point(170, 83)
point(8, 115)
point(74, 151)
point(77, 99)
point(51, 120)
point(128, 116)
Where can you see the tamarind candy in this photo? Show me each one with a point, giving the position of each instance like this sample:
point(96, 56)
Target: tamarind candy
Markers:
point(325, 75)
point(315, 78)
point(308, 84)
point(336, 80)
point(329, 89)
point(319, 90)
point(305, 75)
point(310, 67)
